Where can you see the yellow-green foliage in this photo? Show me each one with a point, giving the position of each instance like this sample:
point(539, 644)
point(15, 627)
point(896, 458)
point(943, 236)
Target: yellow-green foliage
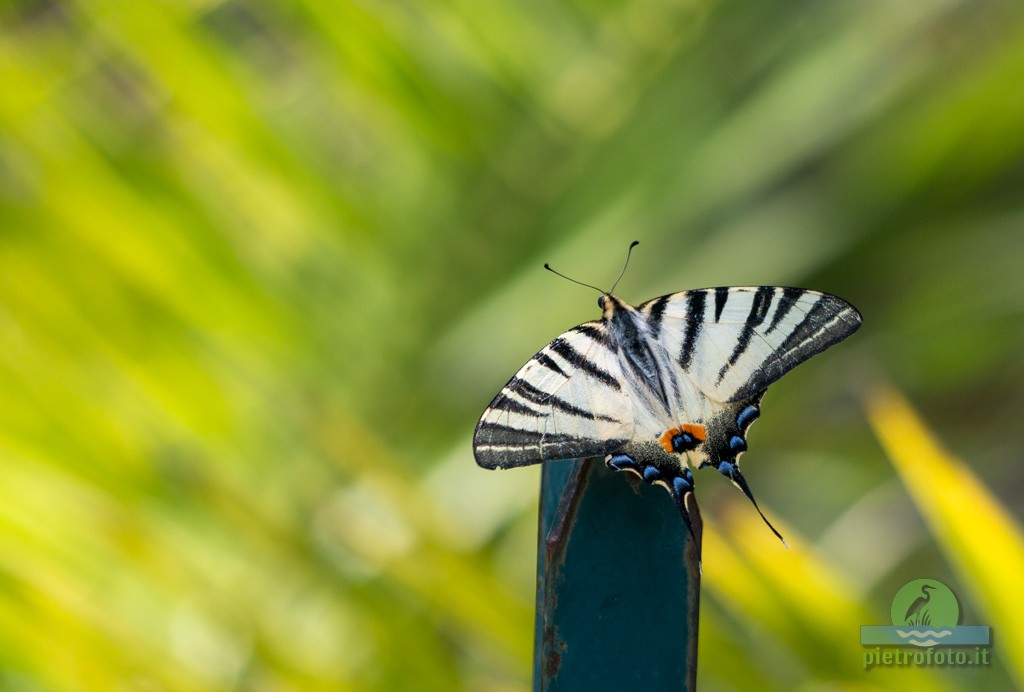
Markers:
point(263, 264)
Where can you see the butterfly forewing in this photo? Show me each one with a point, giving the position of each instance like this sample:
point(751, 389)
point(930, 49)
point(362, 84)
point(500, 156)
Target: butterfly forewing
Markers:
point(734, 342)
point(568, 402)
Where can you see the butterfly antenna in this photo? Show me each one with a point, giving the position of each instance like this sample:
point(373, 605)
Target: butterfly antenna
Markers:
point(548, 267)
point(626, 264)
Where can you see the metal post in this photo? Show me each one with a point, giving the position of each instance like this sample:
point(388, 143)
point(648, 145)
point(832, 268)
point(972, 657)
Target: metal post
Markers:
point(618, 584)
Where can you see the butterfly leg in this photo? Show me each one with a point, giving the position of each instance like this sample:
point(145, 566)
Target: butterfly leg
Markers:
point(731, 470)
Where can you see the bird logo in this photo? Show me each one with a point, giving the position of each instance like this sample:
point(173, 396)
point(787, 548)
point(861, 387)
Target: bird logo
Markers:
point(918, 612)
point(925, 612)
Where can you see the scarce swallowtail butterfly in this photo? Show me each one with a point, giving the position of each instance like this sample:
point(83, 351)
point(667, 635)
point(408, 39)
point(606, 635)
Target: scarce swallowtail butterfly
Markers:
point(661, 389)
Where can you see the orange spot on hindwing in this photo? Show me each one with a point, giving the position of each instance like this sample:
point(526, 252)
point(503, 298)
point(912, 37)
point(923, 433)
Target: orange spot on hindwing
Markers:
point(683, 438)
point(697, 430)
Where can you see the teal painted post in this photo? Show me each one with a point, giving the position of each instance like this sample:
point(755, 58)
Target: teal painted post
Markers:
point(618, 584)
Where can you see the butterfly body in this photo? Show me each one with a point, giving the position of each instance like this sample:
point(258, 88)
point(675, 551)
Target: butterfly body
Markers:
point(660, 389)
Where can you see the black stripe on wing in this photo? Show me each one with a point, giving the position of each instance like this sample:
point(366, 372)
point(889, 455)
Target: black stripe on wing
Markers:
point(655, 311)
point(504, 402)
point(696, 305)
point(531, 393)
point(500, 435)
point(502, 445)
point(758, 311)
point(546, 360)
point(565, 403)
point(597, 332)
point(578, 360)
point(789, 297)
point(721, 298)
point(828, 321)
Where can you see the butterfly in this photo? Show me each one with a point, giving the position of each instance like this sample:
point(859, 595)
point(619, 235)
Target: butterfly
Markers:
point(663, 388)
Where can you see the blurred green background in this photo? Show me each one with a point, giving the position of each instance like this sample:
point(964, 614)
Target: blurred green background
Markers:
point(262, 265)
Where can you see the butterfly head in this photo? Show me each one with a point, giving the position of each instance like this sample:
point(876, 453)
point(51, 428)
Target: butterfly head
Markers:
point(611, 304)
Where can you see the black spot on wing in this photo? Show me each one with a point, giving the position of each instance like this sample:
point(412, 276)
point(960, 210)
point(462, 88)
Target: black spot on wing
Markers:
point(577, 360)
point(696, 304)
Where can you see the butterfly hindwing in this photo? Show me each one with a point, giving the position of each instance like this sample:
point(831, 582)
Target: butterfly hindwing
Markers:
point(568, 402)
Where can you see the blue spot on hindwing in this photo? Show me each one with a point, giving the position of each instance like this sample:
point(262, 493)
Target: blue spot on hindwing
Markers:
point(747, 416)
point(622, 462)
point(737, 444)
point(651, 474)
point(683, 484)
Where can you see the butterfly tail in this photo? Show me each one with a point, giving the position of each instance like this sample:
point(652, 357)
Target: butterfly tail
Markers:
point(680, 488)
point(732, 471)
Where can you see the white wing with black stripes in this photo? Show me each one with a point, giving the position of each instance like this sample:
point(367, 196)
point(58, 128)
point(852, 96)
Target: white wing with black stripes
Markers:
point(567, 402)
point(661, 389)
point(734, 342)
